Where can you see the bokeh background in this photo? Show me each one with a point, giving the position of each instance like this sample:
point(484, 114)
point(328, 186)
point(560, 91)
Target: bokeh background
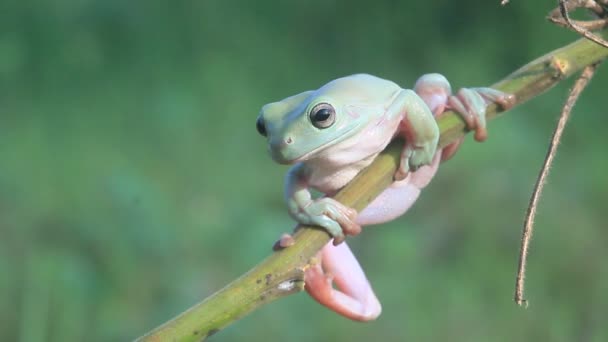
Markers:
point(133, 182)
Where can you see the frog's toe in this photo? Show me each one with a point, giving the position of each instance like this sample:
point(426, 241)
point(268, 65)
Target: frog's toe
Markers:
point(347, 219)
point(404, 164)
point(422, 156)
point(338, 219)
point(286, 240)
point(400, 174)
point(504, 100)
point(333, 228)
point(471, 106)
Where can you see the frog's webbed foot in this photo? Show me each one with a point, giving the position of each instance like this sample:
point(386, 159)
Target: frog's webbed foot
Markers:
point(471, 104)
point(412, 158)
point(338, 219)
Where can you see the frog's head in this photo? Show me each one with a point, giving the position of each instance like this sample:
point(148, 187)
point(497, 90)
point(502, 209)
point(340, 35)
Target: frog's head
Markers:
point(302, 126)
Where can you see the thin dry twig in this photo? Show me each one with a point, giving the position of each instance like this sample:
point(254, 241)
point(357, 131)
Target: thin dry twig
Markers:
point(566, 6)
point(579, 86)
point(561, 17)
point(594, 5)
point(590, 25)
point(556, 17)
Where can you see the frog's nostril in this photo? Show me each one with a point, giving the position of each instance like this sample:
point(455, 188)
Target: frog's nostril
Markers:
point(288, 140)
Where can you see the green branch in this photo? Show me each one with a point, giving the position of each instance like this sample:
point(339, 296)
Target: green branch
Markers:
point(282, 273)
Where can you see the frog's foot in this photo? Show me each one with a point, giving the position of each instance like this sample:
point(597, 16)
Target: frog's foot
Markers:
point(284, 241)
point(354, 297)
point(338, 219)
point(413, 157)
point(471, 104)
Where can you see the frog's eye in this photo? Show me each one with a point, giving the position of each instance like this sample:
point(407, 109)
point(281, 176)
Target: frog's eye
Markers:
point(323, 115)
point(260, 126)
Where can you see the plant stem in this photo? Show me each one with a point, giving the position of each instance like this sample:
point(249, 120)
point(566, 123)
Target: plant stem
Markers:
point(282, 273)
point(576, 91)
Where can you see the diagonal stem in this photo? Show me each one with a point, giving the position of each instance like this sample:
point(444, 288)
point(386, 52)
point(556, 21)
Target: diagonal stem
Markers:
point(281, 273)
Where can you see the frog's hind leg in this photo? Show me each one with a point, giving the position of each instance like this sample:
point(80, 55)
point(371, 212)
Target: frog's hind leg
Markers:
point(435, 90)
point(354, 297)
point(471, 104)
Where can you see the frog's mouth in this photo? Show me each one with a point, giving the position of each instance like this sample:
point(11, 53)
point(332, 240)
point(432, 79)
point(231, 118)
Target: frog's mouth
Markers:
point(310, 153)
point(280, 153)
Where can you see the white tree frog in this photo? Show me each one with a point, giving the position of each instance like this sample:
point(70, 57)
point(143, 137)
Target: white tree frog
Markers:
point(332, 133)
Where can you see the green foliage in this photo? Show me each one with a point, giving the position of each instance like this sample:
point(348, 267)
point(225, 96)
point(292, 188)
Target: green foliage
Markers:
point(133, 182)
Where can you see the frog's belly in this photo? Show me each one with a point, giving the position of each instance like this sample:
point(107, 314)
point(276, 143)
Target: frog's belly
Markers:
point(337, 165)
point(329, 182)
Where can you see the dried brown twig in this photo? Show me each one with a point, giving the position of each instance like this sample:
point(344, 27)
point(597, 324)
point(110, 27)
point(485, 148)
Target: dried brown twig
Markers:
point(583, 28)
point(561, 17)
point(578, 88)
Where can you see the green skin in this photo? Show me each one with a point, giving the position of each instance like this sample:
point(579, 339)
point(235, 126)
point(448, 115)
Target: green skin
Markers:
point(332, 133)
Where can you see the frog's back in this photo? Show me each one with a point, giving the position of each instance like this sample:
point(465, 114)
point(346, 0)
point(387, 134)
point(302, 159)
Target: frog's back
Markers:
point(362, 87)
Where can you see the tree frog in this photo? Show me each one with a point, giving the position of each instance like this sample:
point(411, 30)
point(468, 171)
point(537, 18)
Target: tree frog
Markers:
point(332, 133)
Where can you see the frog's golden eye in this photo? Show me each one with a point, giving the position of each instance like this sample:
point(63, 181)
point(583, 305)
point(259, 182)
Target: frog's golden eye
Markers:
point(323, 115)
point(261, 127)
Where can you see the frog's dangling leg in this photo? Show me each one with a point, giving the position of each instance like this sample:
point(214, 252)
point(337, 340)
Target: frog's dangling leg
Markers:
point(354, 297)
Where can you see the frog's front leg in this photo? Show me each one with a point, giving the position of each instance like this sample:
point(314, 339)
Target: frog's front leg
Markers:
point(325, 212)
point(419, 128)
point(354, 297)
point(469, 103)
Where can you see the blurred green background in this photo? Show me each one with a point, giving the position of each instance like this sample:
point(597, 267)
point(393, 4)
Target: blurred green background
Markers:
point(133, 182)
